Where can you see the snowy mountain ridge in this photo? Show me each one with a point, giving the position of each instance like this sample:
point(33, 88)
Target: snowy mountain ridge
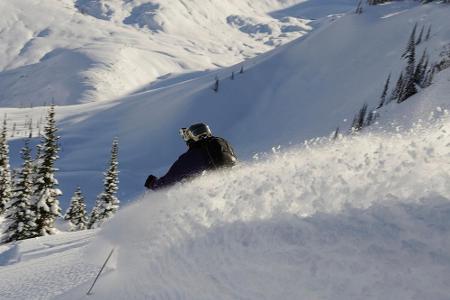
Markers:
point(143, 41)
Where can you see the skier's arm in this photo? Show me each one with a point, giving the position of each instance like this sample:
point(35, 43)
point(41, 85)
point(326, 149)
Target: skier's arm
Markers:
point(176, 173)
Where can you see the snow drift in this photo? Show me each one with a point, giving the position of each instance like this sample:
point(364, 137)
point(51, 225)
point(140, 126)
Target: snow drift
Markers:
point(361, 217)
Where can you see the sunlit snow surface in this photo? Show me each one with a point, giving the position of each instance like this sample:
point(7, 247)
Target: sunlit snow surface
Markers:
point(366, 216)
point(362, 217)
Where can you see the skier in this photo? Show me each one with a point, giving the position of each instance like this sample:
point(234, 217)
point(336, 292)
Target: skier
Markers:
point(206, 152)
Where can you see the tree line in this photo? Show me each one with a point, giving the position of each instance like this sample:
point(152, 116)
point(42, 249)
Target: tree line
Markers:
point(29, 197)
point(417, 74)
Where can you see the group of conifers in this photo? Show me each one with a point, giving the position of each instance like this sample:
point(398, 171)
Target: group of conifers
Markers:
point(29, 198)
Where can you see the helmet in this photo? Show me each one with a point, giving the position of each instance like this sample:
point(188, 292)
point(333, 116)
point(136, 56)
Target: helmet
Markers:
point(195, 132)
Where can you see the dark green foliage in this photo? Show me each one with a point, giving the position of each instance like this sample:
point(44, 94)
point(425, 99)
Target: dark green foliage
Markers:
point(360, 119)
point(397, 93)
point(107, 202)
point(5, 173)
point(410, 56)
point(421, 68)
point(419, 39)
point(427, 37)
point(21, 213)
point(46, 191)
point(76, 213)
point(384, 93)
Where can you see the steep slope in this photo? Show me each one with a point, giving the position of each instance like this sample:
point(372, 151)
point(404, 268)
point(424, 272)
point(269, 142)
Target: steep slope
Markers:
point(361, 217)
point(300, 91)
point(78, 51)
point(365, 217)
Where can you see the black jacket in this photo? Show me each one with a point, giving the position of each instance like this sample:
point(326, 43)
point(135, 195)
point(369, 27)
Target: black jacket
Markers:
point(194, 161)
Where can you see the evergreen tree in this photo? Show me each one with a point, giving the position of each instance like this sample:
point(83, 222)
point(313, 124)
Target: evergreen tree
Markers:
point(429, 77)
point(419, 73)
point(76, 213)
point(419, 39)
point(216, 84)
point(397, 93)
point(362, 116)
point(5, 173)
point(410, 56)
point(360, 119)
point(384, 93)
point(336, 133)
point(412, 40)
point(371, 117)
point(21, 213)
point(107, 202)
point(241, 71)
point(46, 192)
point(427, 37)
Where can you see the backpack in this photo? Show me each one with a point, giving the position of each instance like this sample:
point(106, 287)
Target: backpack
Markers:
point(220, 153)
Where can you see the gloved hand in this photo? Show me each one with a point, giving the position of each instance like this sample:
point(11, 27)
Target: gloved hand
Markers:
point(150, 182)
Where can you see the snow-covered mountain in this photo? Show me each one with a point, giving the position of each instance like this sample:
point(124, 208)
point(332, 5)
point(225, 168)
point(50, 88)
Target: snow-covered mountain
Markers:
point(75, 51)
point(363, 216)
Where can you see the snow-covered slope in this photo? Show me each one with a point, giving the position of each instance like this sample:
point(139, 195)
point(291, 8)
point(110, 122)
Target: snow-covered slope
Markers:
point(360, 217)
point(302, 90)
point(365, 216)
point(74, 51)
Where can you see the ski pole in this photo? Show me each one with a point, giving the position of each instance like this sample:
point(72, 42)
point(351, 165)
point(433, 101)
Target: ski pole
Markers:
point(100, 272)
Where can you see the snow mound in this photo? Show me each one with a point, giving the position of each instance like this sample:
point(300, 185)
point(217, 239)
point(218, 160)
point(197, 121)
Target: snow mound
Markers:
point(361, 217)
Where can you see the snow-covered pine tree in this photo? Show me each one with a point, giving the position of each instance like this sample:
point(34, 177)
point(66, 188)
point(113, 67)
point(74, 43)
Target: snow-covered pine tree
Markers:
point(384, 93)
point(419, 73)
point(371, 117)
point(46, 192)
point(76, 213)
point(21, 213)
point(419, 39)
point(398, 90)
point(107, 202)
point(410, 56)
point(5, 172)
point(428, 80)
point(336, 133)
point(427, 37)
point(359, 121)
point(412, 39)
point(362, 117)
